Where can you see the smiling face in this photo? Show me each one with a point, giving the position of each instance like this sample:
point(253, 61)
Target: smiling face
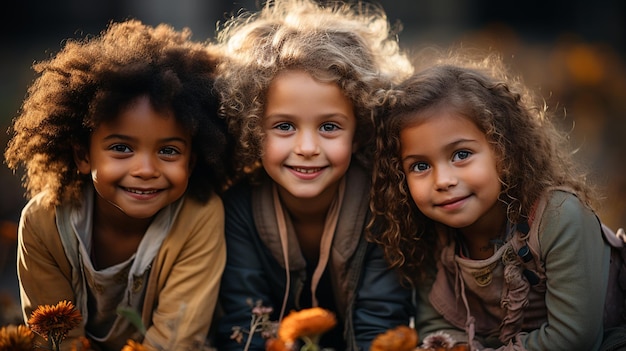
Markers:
point(309, 130)
point(139, 162)
point(451, 171)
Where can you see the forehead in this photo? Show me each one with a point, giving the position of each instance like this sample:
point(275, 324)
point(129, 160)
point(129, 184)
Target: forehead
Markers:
point(442, 120)
point(437, 130)
point(141, 118)
point(297, 93)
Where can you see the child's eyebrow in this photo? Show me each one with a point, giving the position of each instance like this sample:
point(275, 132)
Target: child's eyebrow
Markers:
point(117, 136)
point(461, 141)
point(448, 147)
point(130, 138)
point(410, 157)
point(322, 116)
point(174, 139)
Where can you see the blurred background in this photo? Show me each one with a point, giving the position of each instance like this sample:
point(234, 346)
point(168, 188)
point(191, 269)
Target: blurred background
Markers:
point(572, 52)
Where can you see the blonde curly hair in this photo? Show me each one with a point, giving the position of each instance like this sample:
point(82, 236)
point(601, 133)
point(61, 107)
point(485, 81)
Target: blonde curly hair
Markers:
point(352, 45)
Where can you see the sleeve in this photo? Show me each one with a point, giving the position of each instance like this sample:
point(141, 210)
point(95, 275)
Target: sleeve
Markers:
point(576, 264)
point(190, 279)
point(245, 280)
point(381, 303)
point(44, 273)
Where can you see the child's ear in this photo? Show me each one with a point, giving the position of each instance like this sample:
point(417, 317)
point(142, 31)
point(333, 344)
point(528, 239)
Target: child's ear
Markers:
point(81, 158)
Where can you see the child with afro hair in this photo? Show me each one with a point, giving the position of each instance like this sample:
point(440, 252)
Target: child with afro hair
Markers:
point(124, 158)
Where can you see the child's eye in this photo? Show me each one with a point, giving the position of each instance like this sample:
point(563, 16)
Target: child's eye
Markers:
point(329, 127)
point(419, 167)
point(120, 148)
point(169, 151)
point(461, 155)
point(285, 127)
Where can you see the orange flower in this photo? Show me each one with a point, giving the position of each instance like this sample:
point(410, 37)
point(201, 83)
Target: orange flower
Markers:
point(81, 344)
point(400, 338)
point(132, 345)
point(16, 338)
point(273, 344)
point(308, 322)
point(54, 322)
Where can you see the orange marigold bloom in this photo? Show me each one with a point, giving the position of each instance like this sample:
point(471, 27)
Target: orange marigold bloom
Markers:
point(274, 344)
point(132, 345)
point(400, 338)
point(55, 321)
point(16, 338)
point(81, 344)
point(307, 322)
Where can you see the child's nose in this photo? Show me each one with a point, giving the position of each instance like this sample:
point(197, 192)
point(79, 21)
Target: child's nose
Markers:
point(307, 144)
point(145, 166)
point(445, 177)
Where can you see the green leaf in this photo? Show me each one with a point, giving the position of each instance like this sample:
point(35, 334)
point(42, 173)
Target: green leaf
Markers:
point(134, 317)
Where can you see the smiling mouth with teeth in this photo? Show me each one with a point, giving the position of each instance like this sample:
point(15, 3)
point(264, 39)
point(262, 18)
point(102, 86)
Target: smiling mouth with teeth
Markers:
point(141, 192)
point(306, 170)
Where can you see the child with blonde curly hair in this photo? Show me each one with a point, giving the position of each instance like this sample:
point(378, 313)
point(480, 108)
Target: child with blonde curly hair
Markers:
point(482, 208)
point(299, 91)
point(125, 156)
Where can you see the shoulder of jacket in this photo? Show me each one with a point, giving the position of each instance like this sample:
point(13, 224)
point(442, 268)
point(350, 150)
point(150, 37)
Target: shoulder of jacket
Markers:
point(37, 211)
point(195, 207)
point(194, 213)
point(564, 203)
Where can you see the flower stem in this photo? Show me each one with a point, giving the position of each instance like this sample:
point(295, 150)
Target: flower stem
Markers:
point(253, 326)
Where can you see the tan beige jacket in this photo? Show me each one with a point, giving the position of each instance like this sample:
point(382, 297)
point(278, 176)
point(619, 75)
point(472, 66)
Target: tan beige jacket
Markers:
point(187, 269)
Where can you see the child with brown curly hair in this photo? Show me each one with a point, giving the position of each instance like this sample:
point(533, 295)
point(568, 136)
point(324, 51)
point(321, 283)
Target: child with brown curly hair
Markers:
point(468, 167)
point(299, 90)
point(125, 156)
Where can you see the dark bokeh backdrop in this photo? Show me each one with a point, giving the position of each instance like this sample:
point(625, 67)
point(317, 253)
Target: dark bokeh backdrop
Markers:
point(573, 52)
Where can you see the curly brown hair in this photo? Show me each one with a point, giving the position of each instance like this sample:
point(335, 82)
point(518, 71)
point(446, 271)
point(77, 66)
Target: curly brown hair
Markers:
point(92, 80)
point(352, 45)
point(532, 153)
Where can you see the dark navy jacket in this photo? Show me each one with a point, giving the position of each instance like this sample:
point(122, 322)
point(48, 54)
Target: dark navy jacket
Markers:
point(368, 296)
